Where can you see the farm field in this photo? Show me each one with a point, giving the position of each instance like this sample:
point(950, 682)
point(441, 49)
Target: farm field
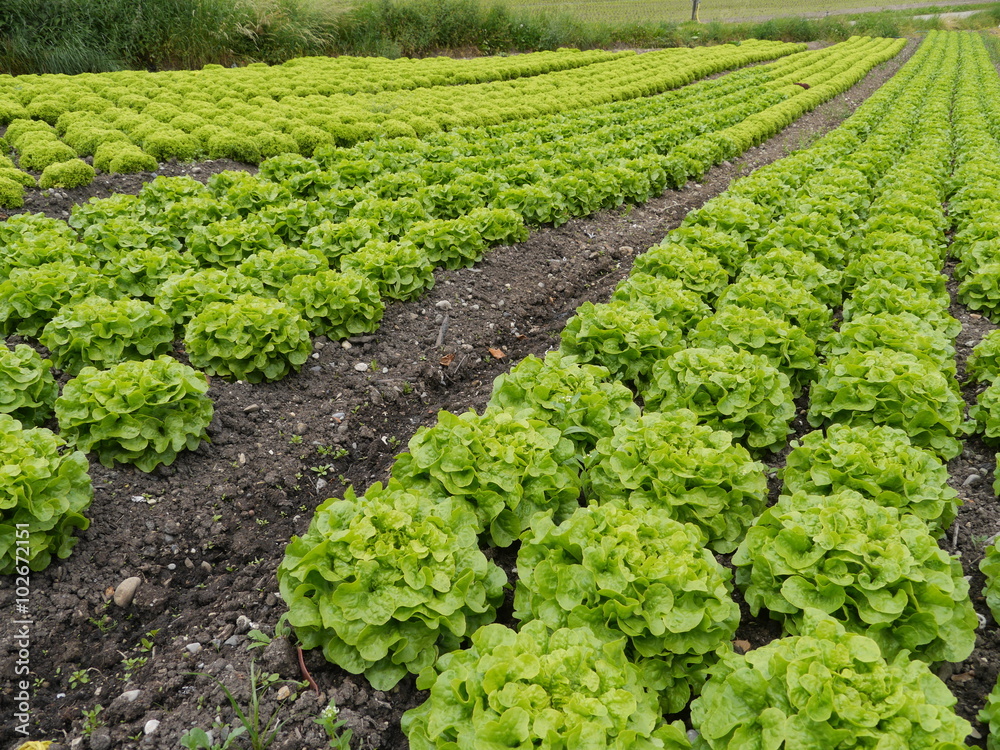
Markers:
point(207, 533)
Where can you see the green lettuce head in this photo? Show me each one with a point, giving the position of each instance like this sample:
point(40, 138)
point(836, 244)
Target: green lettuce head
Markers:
point(633, 573)
point(825, 688)
point(539, 689)
point(877, 571)
point(387, 582)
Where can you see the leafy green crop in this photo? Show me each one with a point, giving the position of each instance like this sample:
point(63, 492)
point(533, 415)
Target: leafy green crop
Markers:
point(624, 338)
point(878, 462)
point(401, 270)
point(825, 688)
point(143, 413)
point(506, 467)
point(783, 298)
point(984, 362)
point(335, 304)
point(893, 388)
point(538, 689)
point(795, 265)
point(882, 296)
point(981, 290)
point(635, 573)
point(95, 331)
point(227, 243)
point(990, 567)
point(986, 414)
point(990, 715)
point(275, 269)
point(786, 346)
point(27, 389)
point(667, 461)
point(902, 332)
point(71, 173)
point(696, 269)
point(183, 295)
point(667, 299)
point(877, 571)
point(31, 297)
point(451, 243)
point(387, 582)
point(727, 389)
point(43, 487)
point(581, 401)
point(251, 338)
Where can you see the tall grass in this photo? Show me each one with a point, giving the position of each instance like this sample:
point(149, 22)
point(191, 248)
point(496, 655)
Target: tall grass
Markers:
point(73, 36)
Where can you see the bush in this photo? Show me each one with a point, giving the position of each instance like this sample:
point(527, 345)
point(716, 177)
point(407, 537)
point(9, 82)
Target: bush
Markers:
point(67, 174)
point(886, 387)
point(506, 468)
point(27, 389)
point(581, 401)
point(143, 413)
point(667, 461)
point(727, 389)
point(983, 363)
point(853, 694)
point(624, 338)
point(879, 463)
point(95, 331)
point(334, 304)
point(535, 688)
point(251, 338)
point(43, 493)
point(387, 582)
point(633, 573)
point(879, 573)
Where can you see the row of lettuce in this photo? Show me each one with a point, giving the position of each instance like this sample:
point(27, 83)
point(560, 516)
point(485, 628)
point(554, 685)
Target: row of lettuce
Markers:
point(244, 266)
point(124, 130)
point(624, 614)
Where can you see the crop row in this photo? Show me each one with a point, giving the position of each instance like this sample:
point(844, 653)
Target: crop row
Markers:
point(108, 292)
point(623, 611)
point(130, 132)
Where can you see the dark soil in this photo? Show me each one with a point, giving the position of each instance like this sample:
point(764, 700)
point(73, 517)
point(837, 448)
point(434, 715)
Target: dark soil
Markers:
point(207, 534)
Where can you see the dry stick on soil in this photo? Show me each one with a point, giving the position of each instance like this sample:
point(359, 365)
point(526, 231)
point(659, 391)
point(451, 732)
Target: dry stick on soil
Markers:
point(305, 672)
point(443, 331)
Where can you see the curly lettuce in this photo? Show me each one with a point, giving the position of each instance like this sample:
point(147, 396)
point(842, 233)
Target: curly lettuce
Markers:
point(388, 582)
point(877, 571)
point(335, 304)
point(983, 363)
point(27, 389)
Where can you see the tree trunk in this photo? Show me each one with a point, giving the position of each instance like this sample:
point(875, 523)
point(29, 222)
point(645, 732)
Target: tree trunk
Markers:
point(694, 10)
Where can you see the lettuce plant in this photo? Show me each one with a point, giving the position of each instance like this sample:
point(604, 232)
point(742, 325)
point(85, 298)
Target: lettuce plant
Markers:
point(183, 295)
point(729, 249)
point(727, 389)
point(44, 487)
point(990, 716)
point(824, 283)
point(624, 338)
point(667, 299)
point(983, 363)
point(985, 415)
point(275, 269)
point(901, 332)
point(251, 338)
point(899, 268)
point(31, 297)
point(72, 173)
point(980, 290)
point(141, 272)
point(336, 239)
point(143, 413)
point(581, 401)
point(825, 688)
point(635, 573)
point(401, 270)
point(882, 296)
point(693, 267)
point(222, 244)
point(877, 571)
point(538, 689)
point(990, 567)
point(786, 346)
point(335, 304)
point(668, 461)
point(783, 298)
point(893, 388)
point(95, 331)
point(506, 467)
point(879, 463)
point(27, 389)
point(451, 243)
point(387, 582)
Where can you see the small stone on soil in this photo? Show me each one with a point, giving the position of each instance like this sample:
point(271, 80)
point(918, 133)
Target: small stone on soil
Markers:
point(125, 591)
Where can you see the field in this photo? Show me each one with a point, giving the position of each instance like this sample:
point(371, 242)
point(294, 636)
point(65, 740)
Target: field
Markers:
point(673, 11)
point(266, 366)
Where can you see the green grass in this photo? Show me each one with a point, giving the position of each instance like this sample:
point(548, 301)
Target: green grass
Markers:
point(676, 11)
